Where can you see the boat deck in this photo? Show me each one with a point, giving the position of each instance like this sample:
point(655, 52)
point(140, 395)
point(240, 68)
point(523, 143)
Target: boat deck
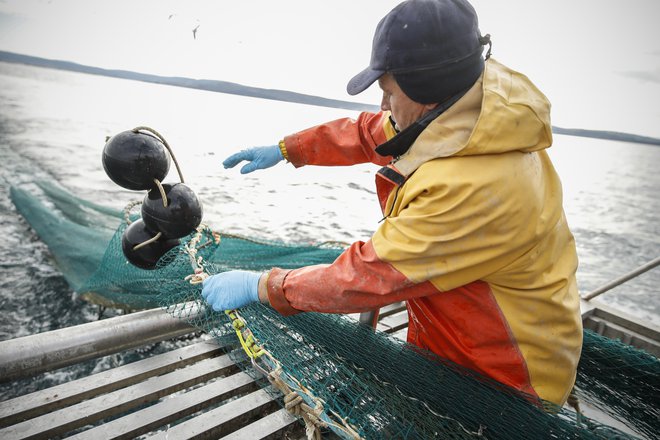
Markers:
point(193, 390)
point(190, 391)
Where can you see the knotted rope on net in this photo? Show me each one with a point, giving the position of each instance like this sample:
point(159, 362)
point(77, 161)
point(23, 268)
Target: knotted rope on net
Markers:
point(298, 400)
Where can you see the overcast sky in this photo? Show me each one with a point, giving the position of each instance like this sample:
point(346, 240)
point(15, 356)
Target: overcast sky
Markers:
point(597, 60)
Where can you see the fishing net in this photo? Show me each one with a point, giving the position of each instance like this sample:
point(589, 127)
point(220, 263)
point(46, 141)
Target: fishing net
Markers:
point(335, 373)
point(621, 380)
point(86, 245)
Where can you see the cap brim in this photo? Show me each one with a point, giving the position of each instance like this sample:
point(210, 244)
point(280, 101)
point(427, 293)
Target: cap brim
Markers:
point(361, 82)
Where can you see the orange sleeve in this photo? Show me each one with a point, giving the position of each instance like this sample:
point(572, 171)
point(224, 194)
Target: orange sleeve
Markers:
point(341, 142)
point(356, 282)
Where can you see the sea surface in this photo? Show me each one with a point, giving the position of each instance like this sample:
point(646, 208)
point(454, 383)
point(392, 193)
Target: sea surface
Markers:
point(53, 126)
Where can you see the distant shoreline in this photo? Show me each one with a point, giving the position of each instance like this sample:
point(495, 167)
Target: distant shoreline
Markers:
point(272, 94)
point(608, 135)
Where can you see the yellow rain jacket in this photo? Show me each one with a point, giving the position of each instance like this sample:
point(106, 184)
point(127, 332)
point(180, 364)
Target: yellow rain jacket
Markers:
point(474, 237)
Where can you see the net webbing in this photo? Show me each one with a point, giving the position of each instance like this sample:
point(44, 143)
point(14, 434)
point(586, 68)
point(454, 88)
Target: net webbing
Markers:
point(366, 381)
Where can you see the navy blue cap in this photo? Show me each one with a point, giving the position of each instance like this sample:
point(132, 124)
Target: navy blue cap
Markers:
point(432, 47)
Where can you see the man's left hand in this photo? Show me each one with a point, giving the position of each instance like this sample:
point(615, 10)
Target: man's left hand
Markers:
point(231, 290)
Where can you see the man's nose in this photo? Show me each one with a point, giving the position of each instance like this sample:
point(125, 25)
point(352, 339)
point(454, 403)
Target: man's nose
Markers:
point(384, 104)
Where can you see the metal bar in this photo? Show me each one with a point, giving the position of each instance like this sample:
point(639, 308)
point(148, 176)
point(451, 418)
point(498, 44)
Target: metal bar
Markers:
point(391, 309)
point(175, 407)
point(393, 323)
point(640, 270)
point(369, 318)
point(59, 422)
point(629, 322)
point(224, 419)
point(625, 334)
point(274, 425)
point(59, 396)
point(34, 354)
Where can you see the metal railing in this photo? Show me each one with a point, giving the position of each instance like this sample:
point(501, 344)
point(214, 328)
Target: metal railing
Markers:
point(630, 275)
point(38, 353)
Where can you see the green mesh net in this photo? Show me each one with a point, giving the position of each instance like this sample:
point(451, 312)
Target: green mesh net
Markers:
point(85, 240)
point(621, 381)
point(360, 382)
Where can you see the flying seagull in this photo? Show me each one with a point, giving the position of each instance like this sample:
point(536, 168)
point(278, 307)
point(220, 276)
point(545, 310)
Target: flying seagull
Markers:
point(194, 31)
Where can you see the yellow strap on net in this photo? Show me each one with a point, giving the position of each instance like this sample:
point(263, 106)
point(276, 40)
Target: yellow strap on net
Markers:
point(245, 336)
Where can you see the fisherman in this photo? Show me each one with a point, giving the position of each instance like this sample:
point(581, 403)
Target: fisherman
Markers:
point(474, 236)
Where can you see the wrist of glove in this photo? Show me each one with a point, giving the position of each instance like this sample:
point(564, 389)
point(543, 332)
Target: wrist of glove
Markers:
point(258, 158)
point(231, 290)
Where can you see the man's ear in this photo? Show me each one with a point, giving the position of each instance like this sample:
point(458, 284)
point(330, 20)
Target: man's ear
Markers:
point(429, 107)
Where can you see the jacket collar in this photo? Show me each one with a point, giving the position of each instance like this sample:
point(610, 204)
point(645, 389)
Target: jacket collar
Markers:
point(401, 143)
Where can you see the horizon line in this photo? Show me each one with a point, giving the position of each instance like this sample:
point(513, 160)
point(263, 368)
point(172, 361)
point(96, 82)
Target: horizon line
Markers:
point(220, 86)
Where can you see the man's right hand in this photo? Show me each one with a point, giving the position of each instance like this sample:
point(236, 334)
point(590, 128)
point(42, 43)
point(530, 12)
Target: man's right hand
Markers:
point(259, 158)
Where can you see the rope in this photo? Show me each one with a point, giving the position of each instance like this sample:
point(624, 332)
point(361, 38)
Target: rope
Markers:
point(144, 243)
point(574, 402)
point(162, 139)
point(296, 405)
point(127, 211)
point(199, 274)
point(163, 196)
point(294, 402)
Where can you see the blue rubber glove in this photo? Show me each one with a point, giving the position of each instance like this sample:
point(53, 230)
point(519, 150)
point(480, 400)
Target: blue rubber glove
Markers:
point(231, 290)
point(259, 158)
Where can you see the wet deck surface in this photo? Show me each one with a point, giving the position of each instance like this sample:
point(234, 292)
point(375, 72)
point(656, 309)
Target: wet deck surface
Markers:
point(194, 391)
point(191, 391)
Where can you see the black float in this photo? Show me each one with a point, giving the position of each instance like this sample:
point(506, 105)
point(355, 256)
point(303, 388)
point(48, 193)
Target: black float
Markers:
point(178, 217)
point(139, 250)
point(133, 159)
point(137, 160)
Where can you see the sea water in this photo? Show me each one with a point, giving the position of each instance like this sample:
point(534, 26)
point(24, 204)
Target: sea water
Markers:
point(53, 125)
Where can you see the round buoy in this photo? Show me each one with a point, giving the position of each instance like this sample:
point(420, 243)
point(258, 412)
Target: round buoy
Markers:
point(179, 218)
point(147, 256)
point(133, 160)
